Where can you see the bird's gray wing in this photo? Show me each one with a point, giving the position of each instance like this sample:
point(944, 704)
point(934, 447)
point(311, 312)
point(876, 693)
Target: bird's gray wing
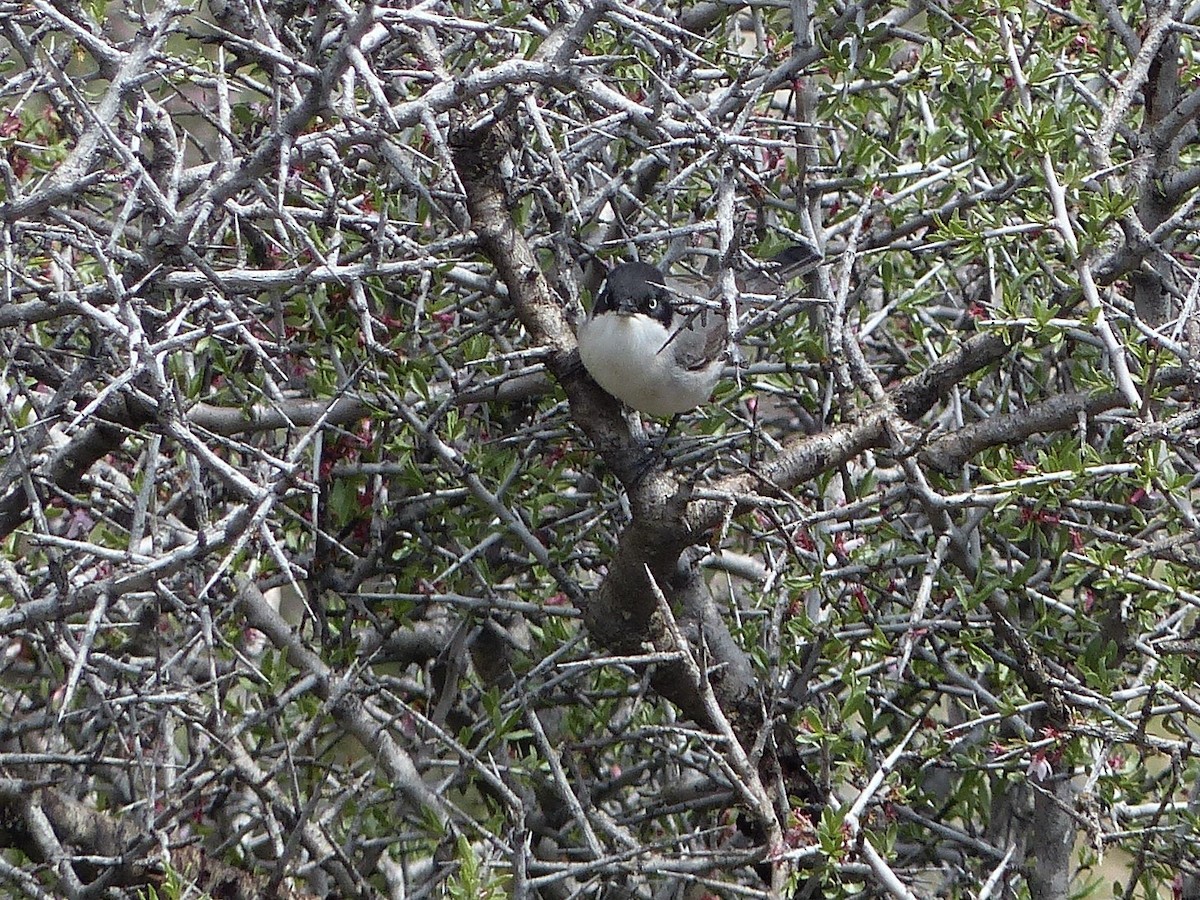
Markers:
point(700, 333)
point(696, 343)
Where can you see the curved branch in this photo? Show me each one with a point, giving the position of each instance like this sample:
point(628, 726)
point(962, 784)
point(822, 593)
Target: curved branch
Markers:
point(599, 415)
point(804, 456)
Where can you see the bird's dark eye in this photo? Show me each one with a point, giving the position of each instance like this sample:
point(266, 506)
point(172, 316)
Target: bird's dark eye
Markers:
point(652, 303)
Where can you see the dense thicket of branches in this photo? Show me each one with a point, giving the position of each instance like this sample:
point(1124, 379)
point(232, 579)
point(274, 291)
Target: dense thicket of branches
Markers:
point(325, 570)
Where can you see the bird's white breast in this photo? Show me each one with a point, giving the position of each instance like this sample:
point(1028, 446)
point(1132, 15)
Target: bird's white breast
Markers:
point(630, 357)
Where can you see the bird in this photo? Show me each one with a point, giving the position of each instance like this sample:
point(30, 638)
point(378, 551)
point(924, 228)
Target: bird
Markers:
point(645, 350)
point(640, 349)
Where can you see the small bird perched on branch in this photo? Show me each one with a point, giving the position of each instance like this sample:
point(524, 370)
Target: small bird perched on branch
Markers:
point(643, 348)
